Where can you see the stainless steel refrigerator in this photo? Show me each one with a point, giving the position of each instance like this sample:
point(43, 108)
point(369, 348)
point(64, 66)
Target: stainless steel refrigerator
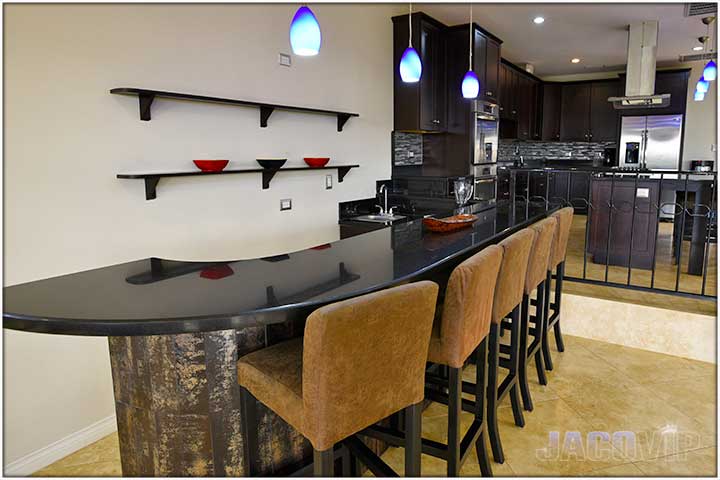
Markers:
point(651, 142)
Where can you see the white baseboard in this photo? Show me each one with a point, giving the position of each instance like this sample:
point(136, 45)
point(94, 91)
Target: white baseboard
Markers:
point(43, 457)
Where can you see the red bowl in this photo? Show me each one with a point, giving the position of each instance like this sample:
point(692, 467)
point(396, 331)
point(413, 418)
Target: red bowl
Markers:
point(211, 165)
point(316, 162)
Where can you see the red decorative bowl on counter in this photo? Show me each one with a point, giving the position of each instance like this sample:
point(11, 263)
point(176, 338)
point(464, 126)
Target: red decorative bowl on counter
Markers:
point(316, 162)
point(211, 165)
point(449, 224)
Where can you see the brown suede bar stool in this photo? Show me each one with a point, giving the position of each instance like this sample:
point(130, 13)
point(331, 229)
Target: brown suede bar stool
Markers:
point(506, 303)
point(359, 361)
point(461, 327)
point(535, 279)
point(558, 252)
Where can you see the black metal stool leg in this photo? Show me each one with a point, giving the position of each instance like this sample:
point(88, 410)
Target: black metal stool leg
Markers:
point(540, 332)
point(413, 442)
point(249, 428)
point(492, 393)
point(454, 409)
point(546, 317)
point(514, 367)
point(324, 463)
point(522, 365)
point(481, 381)
point(559, 274)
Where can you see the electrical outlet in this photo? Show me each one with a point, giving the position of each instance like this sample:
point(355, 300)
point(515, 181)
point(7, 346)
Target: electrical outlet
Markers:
point(713, 147)
point(285, 204)
point(328, 182)
point(411, 154)
point(284, 59)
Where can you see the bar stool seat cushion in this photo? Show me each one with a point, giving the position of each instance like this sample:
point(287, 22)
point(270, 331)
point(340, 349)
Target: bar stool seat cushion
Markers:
point(274, 374)
point(540, 253)
point(564, 218)
point(463, 319)
point(511, 280)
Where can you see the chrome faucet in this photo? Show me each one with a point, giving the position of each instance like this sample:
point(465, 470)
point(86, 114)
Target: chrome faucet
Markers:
point(384, 209)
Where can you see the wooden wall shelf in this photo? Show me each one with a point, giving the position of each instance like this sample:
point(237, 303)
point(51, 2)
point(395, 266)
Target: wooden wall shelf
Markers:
point(153, 178)
point(146, 98)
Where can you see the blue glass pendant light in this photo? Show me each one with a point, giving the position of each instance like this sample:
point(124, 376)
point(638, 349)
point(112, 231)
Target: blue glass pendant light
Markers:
point(710, 71)
point(305, 37)
point(410, 64)
point(702, 85)
point(470, 83)
point(699, 96)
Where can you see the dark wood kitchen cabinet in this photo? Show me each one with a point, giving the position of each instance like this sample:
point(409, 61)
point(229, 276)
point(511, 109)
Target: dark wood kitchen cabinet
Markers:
point(421, 106)
point(585, 113)
point(551, 103)
point(570, 187)
point(492, 70)
point(520, 103)
point(603, 116)
point(508, 97)
point(575, 113)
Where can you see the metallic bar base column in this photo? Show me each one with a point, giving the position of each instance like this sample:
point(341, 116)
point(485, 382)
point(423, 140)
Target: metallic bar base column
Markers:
point(178, 408)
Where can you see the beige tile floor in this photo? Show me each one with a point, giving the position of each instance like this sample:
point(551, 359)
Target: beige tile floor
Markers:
point(666, 404)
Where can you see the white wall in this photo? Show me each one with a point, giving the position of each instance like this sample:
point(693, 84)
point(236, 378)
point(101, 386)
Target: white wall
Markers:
point(66, 138)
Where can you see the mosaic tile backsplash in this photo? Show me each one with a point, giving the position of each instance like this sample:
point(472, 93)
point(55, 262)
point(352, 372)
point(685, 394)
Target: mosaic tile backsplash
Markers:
point(536, 150)
point(407, 148)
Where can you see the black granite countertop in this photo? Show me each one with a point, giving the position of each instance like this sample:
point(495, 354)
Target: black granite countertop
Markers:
point(154, 296)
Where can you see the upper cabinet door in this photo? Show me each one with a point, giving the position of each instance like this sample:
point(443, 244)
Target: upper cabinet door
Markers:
point(603, 116)
point(575, 113)
point(480, 59)
point(525, 107)
point(505, 91)
point(492, 70)
point(552, 94)
point(432, 81)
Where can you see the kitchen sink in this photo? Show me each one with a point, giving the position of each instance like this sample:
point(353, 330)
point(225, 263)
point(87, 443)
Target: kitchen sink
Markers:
point(379, 218)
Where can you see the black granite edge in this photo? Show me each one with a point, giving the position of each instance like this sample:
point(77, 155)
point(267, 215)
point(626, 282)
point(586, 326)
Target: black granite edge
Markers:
point(264, 316)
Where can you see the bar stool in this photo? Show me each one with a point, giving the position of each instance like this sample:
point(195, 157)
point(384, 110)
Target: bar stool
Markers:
point(558, 252)
point(535, 279)
point(506, 303)
point(359, 361)
point(462, 329)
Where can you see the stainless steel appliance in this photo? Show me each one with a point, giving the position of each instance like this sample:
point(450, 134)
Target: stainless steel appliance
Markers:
point(650, 142)
point(485, 190)
point(485, 133)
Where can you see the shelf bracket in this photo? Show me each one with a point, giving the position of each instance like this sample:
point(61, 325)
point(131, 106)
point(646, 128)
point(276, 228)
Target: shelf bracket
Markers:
point(342, 171)
point(150, 187)
point(265, 113)
point(145, 101)
point(268, 175)
point(341, 119)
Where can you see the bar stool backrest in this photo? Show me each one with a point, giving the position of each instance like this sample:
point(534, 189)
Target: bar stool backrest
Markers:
point(467, 308)
point(511, 279)
point(540, 253)
point(564, 217)
point(364, 359)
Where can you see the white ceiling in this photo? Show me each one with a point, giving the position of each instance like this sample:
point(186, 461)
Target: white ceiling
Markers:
point(594, 32)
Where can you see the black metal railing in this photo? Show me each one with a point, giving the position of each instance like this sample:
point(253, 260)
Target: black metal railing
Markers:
point(647, 230)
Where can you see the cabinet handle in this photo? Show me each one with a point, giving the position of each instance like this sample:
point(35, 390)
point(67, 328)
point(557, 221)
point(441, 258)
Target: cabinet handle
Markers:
point(514, 112)
point(488, 93)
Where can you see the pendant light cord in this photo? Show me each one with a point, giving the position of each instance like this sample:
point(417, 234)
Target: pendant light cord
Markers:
point(410, 25)
point(470, 35)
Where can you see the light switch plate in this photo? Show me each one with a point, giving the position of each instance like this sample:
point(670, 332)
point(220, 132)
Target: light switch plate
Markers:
point(284, 59)
point(328, 182)
point(643, 192)
point(285, 204)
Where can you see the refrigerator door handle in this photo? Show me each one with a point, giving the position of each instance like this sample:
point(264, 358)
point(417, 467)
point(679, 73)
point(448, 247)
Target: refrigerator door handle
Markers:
point(643, 149)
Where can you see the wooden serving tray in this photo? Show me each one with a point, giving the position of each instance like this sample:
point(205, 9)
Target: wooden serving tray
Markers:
point(449, 224)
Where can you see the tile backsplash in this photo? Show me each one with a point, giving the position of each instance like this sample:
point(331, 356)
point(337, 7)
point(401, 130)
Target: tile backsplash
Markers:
point(407, 148)
point(537, 150)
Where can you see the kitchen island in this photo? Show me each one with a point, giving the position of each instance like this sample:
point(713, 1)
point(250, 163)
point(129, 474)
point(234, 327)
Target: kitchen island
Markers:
point(176, 330)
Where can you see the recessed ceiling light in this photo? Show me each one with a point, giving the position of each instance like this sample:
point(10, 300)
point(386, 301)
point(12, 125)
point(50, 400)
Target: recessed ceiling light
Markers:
point(698, 48)
point(538, 20)
point(575, 60)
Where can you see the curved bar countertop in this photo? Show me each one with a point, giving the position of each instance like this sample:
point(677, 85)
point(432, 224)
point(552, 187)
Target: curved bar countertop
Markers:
point(154, 296)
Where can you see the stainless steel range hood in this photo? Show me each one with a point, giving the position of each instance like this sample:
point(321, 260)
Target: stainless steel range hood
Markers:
point(640, 75)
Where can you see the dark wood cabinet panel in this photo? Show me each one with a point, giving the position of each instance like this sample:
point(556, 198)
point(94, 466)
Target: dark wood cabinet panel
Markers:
point(575, 113)
point(525, 107)
point(603, 116)
point(420, 106)
point(552, 96)
point(492, 70)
